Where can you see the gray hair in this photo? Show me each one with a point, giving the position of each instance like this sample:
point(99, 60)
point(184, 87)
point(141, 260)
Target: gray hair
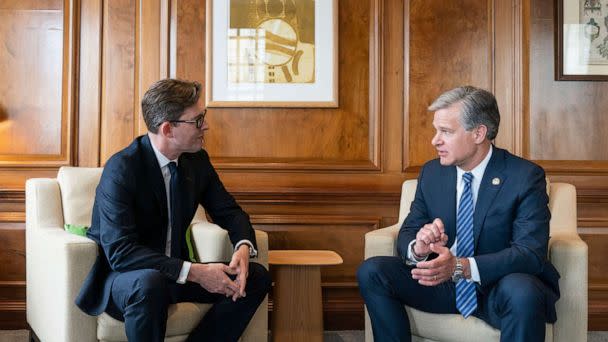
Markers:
point(166, 100)
point(478, 107)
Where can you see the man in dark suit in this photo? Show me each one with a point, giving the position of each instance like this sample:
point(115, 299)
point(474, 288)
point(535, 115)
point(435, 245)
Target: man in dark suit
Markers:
point(146, 199)
point(475, 241)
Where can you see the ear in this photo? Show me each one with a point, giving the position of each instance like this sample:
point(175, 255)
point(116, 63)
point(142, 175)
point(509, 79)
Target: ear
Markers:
point(480, 133)
point(165, 129)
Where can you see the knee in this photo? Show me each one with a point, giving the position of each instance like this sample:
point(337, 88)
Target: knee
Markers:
point(522, 293)
point(259, 278)
point(150, 285)
point(370, 272)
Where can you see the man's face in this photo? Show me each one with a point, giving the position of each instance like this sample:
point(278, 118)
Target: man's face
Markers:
point(455, 146)
point(186, 136)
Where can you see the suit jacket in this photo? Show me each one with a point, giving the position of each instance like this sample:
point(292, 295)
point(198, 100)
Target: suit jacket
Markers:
point(130, 217)
point(510, 222)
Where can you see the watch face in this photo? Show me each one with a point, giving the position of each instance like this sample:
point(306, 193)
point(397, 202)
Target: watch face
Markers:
point(457, 276)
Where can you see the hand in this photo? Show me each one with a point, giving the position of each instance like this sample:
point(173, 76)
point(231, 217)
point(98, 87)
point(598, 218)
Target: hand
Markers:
point(438, 270)
point(430, 233)
point(214, 278)
point(240, 263)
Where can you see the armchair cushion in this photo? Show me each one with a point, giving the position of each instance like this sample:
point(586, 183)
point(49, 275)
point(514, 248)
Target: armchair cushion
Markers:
point(183, 317)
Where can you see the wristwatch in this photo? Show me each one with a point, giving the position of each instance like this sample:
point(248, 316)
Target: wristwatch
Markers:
point(458, 271)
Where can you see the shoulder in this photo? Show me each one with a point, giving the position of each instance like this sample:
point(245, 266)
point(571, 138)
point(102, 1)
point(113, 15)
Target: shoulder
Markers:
point(433, 168)
point(123, 165)
point(518, 165)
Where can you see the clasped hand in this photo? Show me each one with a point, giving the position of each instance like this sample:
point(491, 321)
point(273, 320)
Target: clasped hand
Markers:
point(215, 277)
point(432, 238)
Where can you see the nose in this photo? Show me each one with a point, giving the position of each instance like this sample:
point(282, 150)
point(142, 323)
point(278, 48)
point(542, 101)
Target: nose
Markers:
point(436, 140)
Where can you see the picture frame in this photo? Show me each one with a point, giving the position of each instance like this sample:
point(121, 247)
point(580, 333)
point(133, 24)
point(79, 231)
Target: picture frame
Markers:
point(272, 53)
point(581, 49)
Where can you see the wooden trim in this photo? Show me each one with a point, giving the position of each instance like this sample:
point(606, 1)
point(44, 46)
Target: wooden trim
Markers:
point(12, 217)
point(575, 167)
point(296, 164)
point(12, 315)
point(12, 196)
point(376, 87)
point(373, 221)
point(405, 155)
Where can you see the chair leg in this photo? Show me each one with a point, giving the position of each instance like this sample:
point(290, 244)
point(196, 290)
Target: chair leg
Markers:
point(33, 337)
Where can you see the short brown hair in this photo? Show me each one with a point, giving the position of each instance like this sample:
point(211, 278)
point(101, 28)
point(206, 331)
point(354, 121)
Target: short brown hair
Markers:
point(167, 99)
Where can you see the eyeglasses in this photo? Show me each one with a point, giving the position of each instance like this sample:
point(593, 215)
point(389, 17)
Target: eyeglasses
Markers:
point(198, 120)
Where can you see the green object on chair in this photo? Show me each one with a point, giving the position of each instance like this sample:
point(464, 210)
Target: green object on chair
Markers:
point(76, 229)
point(82, 231)
point(191, 256)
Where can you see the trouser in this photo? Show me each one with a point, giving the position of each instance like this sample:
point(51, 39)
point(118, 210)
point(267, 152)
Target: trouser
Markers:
point(141, 299)
point(515, 304)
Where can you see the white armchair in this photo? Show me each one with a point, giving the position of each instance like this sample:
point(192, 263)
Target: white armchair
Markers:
point(57, 263)
point(567, 252)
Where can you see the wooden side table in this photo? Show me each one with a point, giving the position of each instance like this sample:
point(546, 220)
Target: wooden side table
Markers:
point(297, 307)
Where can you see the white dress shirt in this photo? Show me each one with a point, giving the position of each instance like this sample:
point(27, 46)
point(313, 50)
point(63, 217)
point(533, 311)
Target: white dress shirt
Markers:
point(164, 169)
point(477, 172)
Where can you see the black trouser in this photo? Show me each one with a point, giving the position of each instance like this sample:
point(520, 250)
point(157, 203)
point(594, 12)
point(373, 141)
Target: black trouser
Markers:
point(141, 299)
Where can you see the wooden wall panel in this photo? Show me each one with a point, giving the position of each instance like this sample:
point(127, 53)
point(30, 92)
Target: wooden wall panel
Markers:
point(343, 234)
point(118, 77)
point(288, 138)
point(568, 119)
point(449, 46)
point(566, 126)
point(35, 109)
point(89, 110)
point(12, 277)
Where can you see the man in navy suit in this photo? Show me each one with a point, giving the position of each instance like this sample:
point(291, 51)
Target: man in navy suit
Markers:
point(475, 241)
point(145, 201)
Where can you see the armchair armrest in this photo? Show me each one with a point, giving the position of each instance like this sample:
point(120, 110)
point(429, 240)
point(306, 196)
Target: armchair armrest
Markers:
point(212, 244)
point(382, 241)
point(57, 264)
point(569, 254)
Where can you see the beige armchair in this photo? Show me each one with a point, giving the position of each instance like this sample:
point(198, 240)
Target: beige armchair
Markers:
point(566, 251)
point(57, 263)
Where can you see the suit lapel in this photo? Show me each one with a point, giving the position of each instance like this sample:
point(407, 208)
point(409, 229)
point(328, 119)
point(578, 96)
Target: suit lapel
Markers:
point(491, 183)
point(447, 188)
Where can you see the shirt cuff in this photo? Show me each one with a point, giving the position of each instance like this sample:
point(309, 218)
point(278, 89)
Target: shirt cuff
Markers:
point(183, 274)
point(252, 252)
point(474, 270)
point(411, 260)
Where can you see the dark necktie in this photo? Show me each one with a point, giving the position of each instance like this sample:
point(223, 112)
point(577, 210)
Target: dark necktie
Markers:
point(176, 211)
point(466, 299)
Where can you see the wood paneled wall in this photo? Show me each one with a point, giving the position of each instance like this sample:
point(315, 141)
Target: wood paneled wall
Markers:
point(74, 73)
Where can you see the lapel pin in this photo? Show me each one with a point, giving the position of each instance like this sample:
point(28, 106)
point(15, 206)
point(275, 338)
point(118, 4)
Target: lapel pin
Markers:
point(496, 181)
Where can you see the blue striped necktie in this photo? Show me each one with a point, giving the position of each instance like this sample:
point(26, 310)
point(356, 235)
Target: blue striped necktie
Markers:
point(466, 299)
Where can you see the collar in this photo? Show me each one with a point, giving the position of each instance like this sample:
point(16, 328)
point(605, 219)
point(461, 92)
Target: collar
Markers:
point(477, 170)
point(162, 160)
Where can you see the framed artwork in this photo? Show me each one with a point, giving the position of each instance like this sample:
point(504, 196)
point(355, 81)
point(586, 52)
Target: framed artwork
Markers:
point(272, 53)
point(582, 40)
